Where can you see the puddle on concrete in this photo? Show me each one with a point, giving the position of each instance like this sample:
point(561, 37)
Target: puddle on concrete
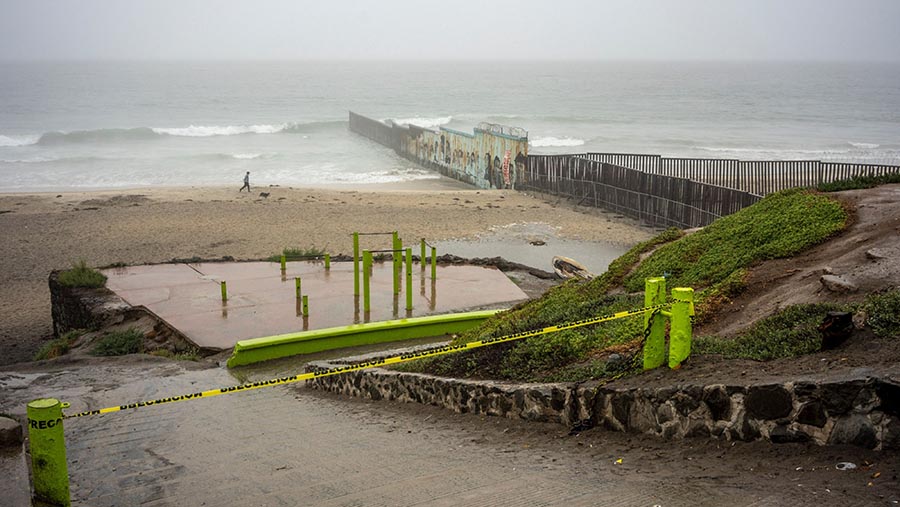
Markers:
point(514, 243)
point(14, 470)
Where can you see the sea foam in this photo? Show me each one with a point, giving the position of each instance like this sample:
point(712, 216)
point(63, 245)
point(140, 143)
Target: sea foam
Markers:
point(17, 140)
point(543, 142)
point(864, 146)
point(425, 123)
point(214, 130)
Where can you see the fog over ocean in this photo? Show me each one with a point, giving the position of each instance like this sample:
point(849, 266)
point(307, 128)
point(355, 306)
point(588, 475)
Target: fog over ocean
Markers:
point(77, 126)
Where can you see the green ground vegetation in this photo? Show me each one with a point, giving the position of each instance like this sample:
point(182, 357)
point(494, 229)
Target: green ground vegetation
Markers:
point(81, 275)
point(119, 343)
point(297, 254)
point(714, 261)
point(859, 182)
point(59, 346)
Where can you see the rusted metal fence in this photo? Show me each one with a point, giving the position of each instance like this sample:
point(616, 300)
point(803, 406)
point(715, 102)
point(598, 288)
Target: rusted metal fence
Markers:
point(653, 198)
point(759, 177)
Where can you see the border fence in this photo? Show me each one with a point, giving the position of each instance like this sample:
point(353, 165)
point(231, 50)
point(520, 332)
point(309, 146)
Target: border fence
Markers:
point(665, 191)
point(656, 199)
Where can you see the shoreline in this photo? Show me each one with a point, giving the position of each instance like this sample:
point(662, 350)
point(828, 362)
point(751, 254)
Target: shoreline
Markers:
point(44, 232)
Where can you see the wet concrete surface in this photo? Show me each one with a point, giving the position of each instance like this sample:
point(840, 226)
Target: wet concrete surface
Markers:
point(289, 445)
point(262, 300)
point(534, 245)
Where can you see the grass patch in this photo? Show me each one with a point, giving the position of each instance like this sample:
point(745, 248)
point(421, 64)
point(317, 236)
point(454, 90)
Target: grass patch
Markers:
point(119, 343)
point(297, 254)
point(789, 333)
point(781, 225)
point(883, 312)
point(714, 261)
point(82, 276)
point(57, 347)
point(859, 182)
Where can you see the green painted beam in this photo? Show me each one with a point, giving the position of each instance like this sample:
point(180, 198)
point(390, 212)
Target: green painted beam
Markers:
point(257, 350)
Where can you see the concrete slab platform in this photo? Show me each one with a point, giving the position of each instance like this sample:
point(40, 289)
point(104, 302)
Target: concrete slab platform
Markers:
point(262, 300)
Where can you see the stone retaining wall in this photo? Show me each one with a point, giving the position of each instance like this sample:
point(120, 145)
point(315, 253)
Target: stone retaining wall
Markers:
point(862, 411)
point(78, 308)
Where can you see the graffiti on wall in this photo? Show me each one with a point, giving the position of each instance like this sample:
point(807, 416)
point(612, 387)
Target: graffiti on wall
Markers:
point(491, 157)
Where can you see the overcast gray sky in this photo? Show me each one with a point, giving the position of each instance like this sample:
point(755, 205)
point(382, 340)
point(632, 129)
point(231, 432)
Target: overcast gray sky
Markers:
point(844, 30)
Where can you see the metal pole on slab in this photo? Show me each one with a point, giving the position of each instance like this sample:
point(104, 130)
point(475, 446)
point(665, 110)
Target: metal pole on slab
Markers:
point(224, 288)
point(409, 302)
point(356, 264)
point(433, 263)
point(367, 264)
point(422, 254)
point(297, 287)
point(327, 262)
point(50, 475)
point(306, 306)
point(283, 262)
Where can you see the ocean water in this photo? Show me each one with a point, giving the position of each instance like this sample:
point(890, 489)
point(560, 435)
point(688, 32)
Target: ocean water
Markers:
point(75, 126)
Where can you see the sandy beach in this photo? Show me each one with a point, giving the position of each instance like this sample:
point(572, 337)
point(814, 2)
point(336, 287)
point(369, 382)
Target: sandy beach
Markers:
point(47, 231)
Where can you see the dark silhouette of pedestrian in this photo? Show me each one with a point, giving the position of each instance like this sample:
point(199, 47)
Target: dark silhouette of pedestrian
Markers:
point(246, 182)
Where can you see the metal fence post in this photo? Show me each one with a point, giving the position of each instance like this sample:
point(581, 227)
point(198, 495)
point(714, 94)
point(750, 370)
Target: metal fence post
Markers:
point(48, 452)
point(409, 302)
point(367, 265)
point(224, 288)
point(681, 330)
point(356, 264)
point(654, 324)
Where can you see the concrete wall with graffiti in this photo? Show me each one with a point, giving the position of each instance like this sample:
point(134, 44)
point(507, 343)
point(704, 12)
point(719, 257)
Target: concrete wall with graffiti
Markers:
point(493, 156)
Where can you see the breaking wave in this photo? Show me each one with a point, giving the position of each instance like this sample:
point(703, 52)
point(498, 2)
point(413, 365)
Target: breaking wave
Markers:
point(864, 146)
point(543, 142)
point(151, 133)
point(425, 123)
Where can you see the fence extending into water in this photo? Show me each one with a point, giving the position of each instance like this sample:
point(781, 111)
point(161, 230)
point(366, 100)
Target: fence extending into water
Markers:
point(682, 192)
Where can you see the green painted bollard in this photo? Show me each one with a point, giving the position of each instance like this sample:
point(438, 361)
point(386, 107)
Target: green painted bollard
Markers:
point(306, 306)
point(356, 264)
point(224, 289)
point(367, 265)
point(395, 258)
point(654, 324)
point(283, 262)
point(681, 330)
point(422, 254)
point(433, 263)
point(327, 262)
point(409, 279)
point(49, 470)
point(297, 287)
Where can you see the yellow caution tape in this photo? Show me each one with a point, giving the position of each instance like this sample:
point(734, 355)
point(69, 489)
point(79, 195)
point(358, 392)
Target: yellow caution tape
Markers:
point(401, 358)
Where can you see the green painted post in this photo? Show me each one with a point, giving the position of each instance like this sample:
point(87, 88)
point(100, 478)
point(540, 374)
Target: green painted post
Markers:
point(654, 324)
point(367, 264)
point(306, 306)
point(398, 254)
point(395, 258)
point(50, 474)
point(327, 262)
point(422, 255)
point(283, 262)
point(356, 264)
point(224, 290)
point(681, 331)
point(433, 263)
point(297, 287)
point(409, 279)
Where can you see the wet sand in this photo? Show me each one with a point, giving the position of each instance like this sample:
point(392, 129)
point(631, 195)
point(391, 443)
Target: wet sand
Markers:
point(42, 232)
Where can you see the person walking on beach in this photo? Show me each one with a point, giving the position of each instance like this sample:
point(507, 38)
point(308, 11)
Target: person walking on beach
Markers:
point(246, 182)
